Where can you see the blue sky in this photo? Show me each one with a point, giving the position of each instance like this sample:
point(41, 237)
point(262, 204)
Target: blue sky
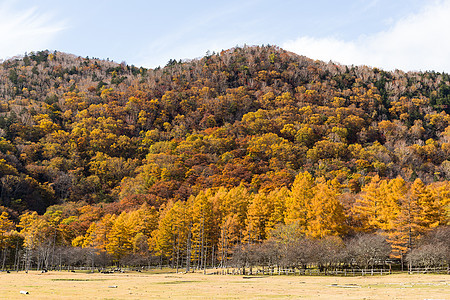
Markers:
point(400, 34)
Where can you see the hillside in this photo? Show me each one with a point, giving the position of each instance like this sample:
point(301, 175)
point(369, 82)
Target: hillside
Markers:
point(82, 129)
point(223, 137)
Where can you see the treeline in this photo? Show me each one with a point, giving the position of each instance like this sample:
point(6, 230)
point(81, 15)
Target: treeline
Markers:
point(287, 252)
point(228, 227)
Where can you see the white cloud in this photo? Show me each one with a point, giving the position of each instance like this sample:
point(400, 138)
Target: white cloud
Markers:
point(25, 30)
point(191, 37)
point(417, 42)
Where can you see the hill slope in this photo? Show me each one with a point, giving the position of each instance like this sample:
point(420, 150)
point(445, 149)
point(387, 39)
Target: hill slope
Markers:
point(83, 129)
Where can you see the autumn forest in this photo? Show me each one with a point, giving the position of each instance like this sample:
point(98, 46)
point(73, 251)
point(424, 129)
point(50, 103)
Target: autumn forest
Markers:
point(251, 156)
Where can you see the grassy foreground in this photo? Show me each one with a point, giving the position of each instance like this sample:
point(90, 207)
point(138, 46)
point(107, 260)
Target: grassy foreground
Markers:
point(65, 285)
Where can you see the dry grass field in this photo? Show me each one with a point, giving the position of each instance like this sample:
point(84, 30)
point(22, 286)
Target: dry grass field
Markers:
point(66, 285)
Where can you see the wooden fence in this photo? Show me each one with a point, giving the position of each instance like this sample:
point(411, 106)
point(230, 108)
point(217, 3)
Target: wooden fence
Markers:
point(439, 270)
point(300, 272)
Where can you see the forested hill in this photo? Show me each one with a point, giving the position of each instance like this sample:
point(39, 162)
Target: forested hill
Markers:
point(81, 129)
point(228, 149)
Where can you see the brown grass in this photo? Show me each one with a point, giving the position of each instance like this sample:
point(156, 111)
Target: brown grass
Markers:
point(65, 285)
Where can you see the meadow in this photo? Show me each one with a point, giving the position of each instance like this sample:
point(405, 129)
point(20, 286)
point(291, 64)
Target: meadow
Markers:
point(135, 285)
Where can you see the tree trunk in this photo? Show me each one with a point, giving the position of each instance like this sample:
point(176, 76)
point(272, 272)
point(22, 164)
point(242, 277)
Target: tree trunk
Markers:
point(4, 259)
point(188, 250)
point(212, 257)
point(222, 257)
point(16, 264)
point(178, 246)
point(173, 253)
point(202, 249)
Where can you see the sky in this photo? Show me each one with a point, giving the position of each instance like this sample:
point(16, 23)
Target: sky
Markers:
point(410, 35)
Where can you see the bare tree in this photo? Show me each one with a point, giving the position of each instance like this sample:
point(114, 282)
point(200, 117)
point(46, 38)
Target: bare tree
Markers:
point(368, 250)
point(433, 249)
point(428, 256)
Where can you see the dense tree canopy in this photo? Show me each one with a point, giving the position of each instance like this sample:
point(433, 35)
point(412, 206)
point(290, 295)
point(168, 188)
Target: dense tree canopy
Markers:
point(208, 154)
